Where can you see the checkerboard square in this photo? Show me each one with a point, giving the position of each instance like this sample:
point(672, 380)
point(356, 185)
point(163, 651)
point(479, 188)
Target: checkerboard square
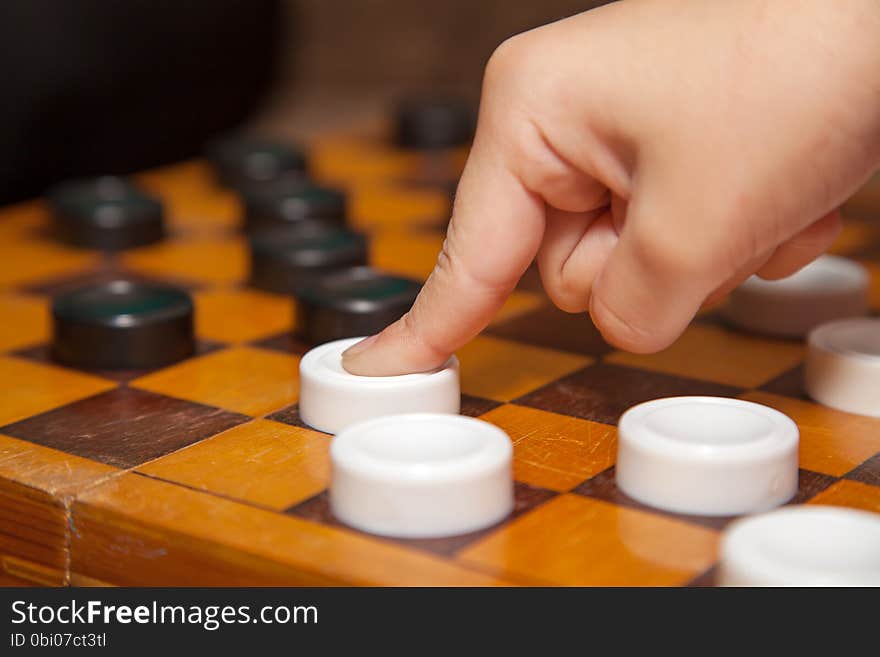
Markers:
point(553, 451)
point(35, 387)
point(410, 254)
point(24, 320)
point(868, 472)
point(42, 353)
point(526, 498)
point(552, 328)
point(503, 370)
point(788, 384)
point(388, 207)
point(477, 406)
point(354, 159)
point(242, 379)
point(28, 261)
point(194, 204)
point(604, 487)
point(46, 476)
point(852, 494)
point(602, 392)
point(123, 427)
point(241, 315)
point(289, 415)
point(831, 441)
point(577, 541)
point(285, 342)
point(262, 462)
point(219, 260)
point(712, 353)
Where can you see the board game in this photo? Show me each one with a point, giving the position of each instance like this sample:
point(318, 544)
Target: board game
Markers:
point(201, 473)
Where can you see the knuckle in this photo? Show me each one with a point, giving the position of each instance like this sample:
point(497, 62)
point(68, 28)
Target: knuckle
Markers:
point(567, 295)
point(506, 61)
point(623, 332)
point(670, 252)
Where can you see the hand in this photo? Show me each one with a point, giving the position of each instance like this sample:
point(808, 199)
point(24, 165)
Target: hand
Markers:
point(650, 155)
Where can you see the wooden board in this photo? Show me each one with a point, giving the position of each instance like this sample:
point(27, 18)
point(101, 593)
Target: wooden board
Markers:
point(201, 473)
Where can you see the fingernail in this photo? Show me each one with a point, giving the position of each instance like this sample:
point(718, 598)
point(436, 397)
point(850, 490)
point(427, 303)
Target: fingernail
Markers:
point(358, 347)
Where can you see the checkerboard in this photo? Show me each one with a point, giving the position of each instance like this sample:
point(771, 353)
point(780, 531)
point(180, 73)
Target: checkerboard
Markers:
point(201, 473)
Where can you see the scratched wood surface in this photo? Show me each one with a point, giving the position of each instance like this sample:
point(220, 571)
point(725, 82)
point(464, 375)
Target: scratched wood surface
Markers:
point(201, 473)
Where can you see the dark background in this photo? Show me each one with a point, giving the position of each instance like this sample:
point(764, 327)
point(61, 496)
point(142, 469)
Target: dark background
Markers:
point(92, 86)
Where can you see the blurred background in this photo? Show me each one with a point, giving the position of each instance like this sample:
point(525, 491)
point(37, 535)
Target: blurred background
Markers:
point(91, 86)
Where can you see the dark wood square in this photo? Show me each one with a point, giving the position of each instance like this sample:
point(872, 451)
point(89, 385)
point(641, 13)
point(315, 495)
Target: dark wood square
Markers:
point(526, 498)
point(552, 328)
point(868, 472)
point(285, 342)
point(603, 486)
point(476, 406)
point(788, 384)
point(602, 392)
point(290, 415)
point(470, 405)
point(124, 427)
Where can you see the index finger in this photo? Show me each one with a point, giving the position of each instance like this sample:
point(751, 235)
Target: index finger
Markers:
point(495, 231)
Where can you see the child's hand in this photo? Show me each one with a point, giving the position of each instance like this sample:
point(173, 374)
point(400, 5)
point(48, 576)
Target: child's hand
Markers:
point(651, 154)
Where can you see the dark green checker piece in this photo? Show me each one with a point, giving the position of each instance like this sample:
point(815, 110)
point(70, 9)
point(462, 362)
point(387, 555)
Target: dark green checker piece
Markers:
point(352, 302)
point(107, 213)
point(289, 201)
point(122, 324)
point(242, 160)
point(288, 258)
point(433, 123)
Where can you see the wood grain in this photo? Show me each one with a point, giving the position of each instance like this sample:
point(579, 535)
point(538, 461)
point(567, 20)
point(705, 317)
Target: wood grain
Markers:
point(868, 472)
point(577, 541)
point(36, 486)
point(134, 530)
point(525, 498)
point(712, 353)
point(241, 315)
point(831, 441)
point(602, 392)
point(40, 387)
point(242, 379)
point(851, 494)
point(263, 462)
point(124, 427)
point(555, 451)
point(552, 328)
point(503, 370)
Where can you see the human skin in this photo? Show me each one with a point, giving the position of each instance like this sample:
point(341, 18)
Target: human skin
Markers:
point(650, 155)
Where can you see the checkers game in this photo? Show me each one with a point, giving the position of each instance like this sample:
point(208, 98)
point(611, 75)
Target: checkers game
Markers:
point(180, 457)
